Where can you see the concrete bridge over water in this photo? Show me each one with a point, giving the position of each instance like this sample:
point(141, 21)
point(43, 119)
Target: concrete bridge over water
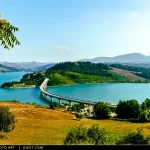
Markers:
point(70, 100)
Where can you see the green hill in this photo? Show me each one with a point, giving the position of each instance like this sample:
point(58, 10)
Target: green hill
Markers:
point(76, 72)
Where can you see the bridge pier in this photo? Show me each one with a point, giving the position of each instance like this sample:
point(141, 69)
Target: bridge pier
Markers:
point(59, 101)
point(51, 99)
point(43, 95)
point(70, 103)
point(47, 97)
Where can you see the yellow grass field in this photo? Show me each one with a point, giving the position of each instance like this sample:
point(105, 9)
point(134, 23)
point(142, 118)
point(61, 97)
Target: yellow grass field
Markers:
point(49, 127)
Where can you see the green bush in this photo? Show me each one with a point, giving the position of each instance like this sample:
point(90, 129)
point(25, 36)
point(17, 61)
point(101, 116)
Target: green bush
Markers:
point(82, 135)
point(135, 138)
point(102, 110)
point(77, 135)
point(54, 105)
point(79, 116)
point(145, 116)
point(99, 136)
point(7, 120)
point(146, 104)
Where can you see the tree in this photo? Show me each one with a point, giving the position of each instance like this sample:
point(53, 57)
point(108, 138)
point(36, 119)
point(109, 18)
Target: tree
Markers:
point(79, 116)
point(7, 37)
point(135, 138)
point(102, 110)
point(77, 135)
point(83, 135)
point(146, 104)
point(98, 135)
point(54, 105)
point(128, 109)
point(145, 116)
point(7, 119)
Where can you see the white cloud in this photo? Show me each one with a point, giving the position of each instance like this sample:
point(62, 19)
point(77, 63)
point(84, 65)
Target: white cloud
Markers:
point(61, 48)
point(133, 12)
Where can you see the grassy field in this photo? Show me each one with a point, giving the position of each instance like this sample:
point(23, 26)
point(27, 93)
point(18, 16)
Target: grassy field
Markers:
point(127, 74)
point(40, 125)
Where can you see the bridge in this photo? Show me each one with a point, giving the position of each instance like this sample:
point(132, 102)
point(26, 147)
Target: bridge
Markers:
point(46, 94)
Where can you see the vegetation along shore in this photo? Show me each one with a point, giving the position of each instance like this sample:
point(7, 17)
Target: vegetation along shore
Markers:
point(82, 73)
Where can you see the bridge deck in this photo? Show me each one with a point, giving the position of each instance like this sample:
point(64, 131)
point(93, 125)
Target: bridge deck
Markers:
point(44, 85)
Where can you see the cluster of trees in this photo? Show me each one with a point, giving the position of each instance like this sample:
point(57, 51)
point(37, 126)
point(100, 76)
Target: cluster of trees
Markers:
point(129, 109)
point(54, 105)
point(76, 107)
point(139, 71)
point(33, 79)
point(9, 84)
point(80, 67)
point(27, 79)
point(99, 136)
point(7, 119)
point(102, 110)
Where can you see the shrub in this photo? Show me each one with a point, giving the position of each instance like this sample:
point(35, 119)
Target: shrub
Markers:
point(102, 110)
point(145, 116)
point(54, 105)
point(79, 116)
point(7, 120)
point(97, 135)
point(77, 135)
point(135, 138)
point(146, 104)
point(82, 135)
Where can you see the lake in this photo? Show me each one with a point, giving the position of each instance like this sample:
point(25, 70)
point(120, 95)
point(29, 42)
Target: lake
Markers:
point(110, 92)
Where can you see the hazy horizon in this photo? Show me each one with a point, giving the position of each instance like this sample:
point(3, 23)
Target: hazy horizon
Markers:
point(70, 30)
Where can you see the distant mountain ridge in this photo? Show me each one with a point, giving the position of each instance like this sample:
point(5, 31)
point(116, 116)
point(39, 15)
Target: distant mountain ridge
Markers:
point(24, 66)
point(125, 58)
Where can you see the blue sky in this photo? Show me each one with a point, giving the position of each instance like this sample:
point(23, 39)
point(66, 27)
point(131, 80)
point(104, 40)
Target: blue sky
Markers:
point(69, 30)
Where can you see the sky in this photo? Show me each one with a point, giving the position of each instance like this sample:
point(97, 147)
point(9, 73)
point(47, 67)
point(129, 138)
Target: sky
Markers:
point(70, 30)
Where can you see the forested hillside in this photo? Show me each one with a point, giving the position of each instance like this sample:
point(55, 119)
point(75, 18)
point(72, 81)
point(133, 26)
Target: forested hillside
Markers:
point(74, 72)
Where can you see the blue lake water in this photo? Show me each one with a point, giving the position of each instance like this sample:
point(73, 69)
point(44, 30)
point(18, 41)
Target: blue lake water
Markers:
point(110, 92)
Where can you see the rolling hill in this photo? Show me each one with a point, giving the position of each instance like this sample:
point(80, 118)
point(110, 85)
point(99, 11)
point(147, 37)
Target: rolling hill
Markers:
point(25, 66)
point(126, 58)
point(83, 72)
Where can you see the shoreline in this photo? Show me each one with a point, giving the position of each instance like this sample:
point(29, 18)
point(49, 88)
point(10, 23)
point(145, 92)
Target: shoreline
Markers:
point(80, 84)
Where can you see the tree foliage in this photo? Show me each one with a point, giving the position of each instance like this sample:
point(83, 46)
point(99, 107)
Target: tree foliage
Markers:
point(80, 67)
point(128, 109)
point(145, 116)
point(54, 105)
point(77, 107)
point(102, 110)
point(7, 119)
point(83, 135)
point(7, 37)
point(79, 116)
point(135, 138)
point(95, 135)
point(146, 104)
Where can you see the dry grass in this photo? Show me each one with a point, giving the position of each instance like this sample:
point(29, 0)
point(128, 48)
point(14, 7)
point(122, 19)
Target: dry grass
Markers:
point(126, 73)
point(45, 126)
